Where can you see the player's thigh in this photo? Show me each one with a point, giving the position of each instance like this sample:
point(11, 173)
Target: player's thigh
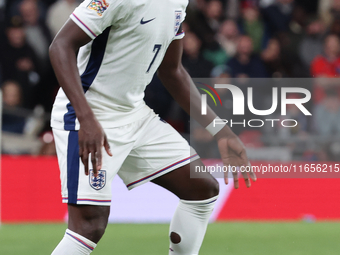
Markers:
point(158, 150)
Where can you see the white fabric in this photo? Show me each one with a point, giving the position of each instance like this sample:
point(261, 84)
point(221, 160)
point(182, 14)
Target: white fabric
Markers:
point(74, 244)
point(190, 223)
point(138, 34)
point(142, 151)
point(214, 128)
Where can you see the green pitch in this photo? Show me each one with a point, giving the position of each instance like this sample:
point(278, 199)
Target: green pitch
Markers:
point(234, 238)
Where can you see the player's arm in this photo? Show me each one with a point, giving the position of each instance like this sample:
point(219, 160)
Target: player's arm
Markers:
point(63, 58)
point(180, 85)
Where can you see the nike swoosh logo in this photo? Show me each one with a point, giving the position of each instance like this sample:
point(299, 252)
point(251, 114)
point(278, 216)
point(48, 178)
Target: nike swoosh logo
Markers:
point(146, 21)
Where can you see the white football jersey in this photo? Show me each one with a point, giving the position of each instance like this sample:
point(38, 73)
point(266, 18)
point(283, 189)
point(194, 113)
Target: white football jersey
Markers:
point(130, 39)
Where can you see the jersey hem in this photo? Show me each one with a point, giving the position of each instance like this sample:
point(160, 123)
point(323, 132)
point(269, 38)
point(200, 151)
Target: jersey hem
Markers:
point(179, 36)
point(164, 170)
point(89, 201)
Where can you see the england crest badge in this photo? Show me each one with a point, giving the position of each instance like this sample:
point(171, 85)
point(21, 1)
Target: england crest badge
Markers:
point(178, 18)
point(98, 182)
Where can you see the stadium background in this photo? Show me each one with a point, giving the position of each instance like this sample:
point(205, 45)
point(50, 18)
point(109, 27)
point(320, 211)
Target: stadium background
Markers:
point(224, 38)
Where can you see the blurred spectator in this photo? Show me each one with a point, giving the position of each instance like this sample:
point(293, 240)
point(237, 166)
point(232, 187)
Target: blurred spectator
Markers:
point(215, 52)
point(12, 94)
point(37, 33)
point(196, 4)
point(252, 25)
point(19, 62)
point(335, 27)
point(299, 19)
point(205, 22)
point(214, 14)
point(290, 44)
point(327, 114)
point(324, 11)
point(266, 3)
point(327, 65)
point(246, 63)
point(38, 36)
point(193, 60)
point(13, 7)
point(312, 44)
point(232, 8)
point(278, 15)
point(311, 6)
point(58, 14)
point(2, 28)
point(12, 101)
point(48, 144)
point(329, 10)
point(228, 36)
point(216, 56)
point(271, 56)
point(220, 72)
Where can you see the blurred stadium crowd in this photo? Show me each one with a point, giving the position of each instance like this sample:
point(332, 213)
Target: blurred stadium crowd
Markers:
point(224, 38)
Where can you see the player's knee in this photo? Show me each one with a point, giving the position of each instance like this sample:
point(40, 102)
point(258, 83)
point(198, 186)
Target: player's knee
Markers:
point(212, 188)
point(204, 189)
point(175, 238)
point(93, 229)
point(89, 221)
point(215, 189)
point(100, 230)
point(96, 231)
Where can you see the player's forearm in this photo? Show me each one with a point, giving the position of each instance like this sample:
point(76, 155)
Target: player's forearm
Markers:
point(64, 62)
point(180, 85)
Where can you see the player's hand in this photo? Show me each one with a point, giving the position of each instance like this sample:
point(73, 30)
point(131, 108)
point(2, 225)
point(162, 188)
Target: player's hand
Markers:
point(233, 154)
point(91, 140)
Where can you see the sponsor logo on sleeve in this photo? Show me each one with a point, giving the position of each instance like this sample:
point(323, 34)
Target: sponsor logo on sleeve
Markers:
point(178, 18)
point(99, 6)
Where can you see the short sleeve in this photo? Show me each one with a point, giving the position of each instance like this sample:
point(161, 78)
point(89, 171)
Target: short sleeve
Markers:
point(94, 16)
point(180, 33)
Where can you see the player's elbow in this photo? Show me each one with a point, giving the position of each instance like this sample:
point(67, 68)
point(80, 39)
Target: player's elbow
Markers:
point(60, 48)
point(54, 48)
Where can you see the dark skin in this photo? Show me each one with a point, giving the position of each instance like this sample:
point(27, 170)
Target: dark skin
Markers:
point(90, 221)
